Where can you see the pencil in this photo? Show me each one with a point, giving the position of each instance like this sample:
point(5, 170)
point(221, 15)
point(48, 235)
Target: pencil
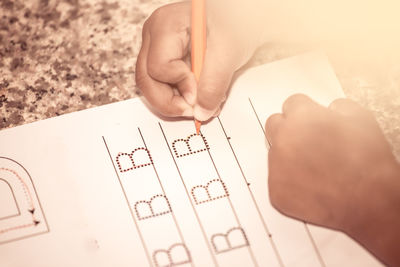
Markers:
point(199, 42)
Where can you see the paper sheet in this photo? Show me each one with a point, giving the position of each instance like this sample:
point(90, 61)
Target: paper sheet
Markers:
point(118, 186)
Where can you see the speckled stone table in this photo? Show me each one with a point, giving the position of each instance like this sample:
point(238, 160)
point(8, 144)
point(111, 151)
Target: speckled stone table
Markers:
point(60, 56)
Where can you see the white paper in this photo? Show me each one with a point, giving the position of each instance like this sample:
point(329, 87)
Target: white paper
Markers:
point(118, 186)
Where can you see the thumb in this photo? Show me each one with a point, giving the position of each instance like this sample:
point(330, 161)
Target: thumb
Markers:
point(216, 76)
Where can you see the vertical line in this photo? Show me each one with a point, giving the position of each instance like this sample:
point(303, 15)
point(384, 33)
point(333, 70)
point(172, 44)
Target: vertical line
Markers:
point(127, 202)
point(233, 210)
point(187, 193)
point(269, 235)
point(162, 188)
point(15, 200)
point(321, 260)
point(259, 122)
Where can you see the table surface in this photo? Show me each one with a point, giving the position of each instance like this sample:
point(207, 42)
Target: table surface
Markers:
point(61, 56)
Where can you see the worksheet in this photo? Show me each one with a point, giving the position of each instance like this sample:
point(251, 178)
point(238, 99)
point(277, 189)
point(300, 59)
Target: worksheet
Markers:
point(117, 185)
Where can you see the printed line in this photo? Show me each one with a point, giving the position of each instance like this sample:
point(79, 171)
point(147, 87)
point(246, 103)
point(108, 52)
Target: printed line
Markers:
point(259, 122)
point(15, 200)
point(37, 197)
point(129, 206)
point(269, 235)
point(321, 260)
point(23, 237)
point(16, 227)
point(233, 210)
point(191, 202)
point(306, 226)
point(10, 216)
point(162, 188)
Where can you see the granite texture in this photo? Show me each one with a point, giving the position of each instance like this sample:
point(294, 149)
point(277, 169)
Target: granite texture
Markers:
point(60, 56)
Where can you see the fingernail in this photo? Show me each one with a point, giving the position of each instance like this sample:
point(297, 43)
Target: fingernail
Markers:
point(188, 112)
point(217, 112)
point(202, 114)
point(190, 98)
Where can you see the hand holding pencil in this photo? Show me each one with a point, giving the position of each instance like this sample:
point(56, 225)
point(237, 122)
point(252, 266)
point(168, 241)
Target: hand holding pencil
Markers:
point(163, 71)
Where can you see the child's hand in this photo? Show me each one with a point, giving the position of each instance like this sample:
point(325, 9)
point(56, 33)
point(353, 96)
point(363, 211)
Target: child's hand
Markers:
point(333, 167)
point(164, 62)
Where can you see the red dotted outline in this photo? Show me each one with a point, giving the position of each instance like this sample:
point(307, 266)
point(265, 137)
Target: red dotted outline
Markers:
point(187, 140)
point(27, 193)
point(29, 198)
point(208, 192)
point(226, 237)
point(151, 207)
point(168, 252)
point(130, 155)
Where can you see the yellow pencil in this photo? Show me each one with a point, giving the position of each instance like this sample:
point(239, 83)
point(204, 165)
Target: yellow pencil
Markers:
point(199, 41)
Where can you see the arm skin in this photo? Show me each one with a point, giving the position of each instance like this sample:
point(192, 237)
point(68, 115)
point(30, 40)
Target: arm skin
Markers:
point(333, 167)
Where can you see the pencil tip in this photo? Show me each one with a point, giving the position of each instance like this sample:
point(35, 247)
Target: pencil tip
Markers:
point(198, 125)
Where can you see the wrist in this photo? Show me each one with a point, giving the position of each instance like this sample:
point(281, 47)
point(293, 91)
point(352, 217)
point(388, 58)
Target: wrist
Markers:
point(375, 223)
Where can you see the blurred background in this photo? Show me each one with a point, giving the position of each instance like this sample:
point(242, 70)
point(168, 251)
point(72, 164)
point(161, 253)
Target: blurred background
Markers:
point(60, 56)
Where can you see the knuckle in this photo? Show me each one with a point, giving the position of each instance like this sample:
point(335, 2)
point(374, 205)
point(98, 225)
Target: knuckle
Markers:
point(350, 107)
point(153, 67)
point(297, 98)
point(156, 18)
point(163, 15)
point(298, 104)
point(158, 12)
point(169, 108)
point(272, 120)
point(166, 111)
point(140, 78)
point(163, 109)
point(339, 102)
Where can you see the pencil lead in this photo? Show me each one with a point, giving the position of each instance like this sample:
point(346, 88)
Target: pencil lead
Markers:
point(198, 125)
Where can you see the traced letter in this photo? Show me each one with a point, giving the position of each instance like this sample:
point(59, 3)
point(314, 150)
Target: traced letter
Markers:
point(193, 144)
point(233, 239)
point(214, 189)
point(156, 206)
point(176, 254)
point(139, 157)
point(21, 215)
point(9, 206)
